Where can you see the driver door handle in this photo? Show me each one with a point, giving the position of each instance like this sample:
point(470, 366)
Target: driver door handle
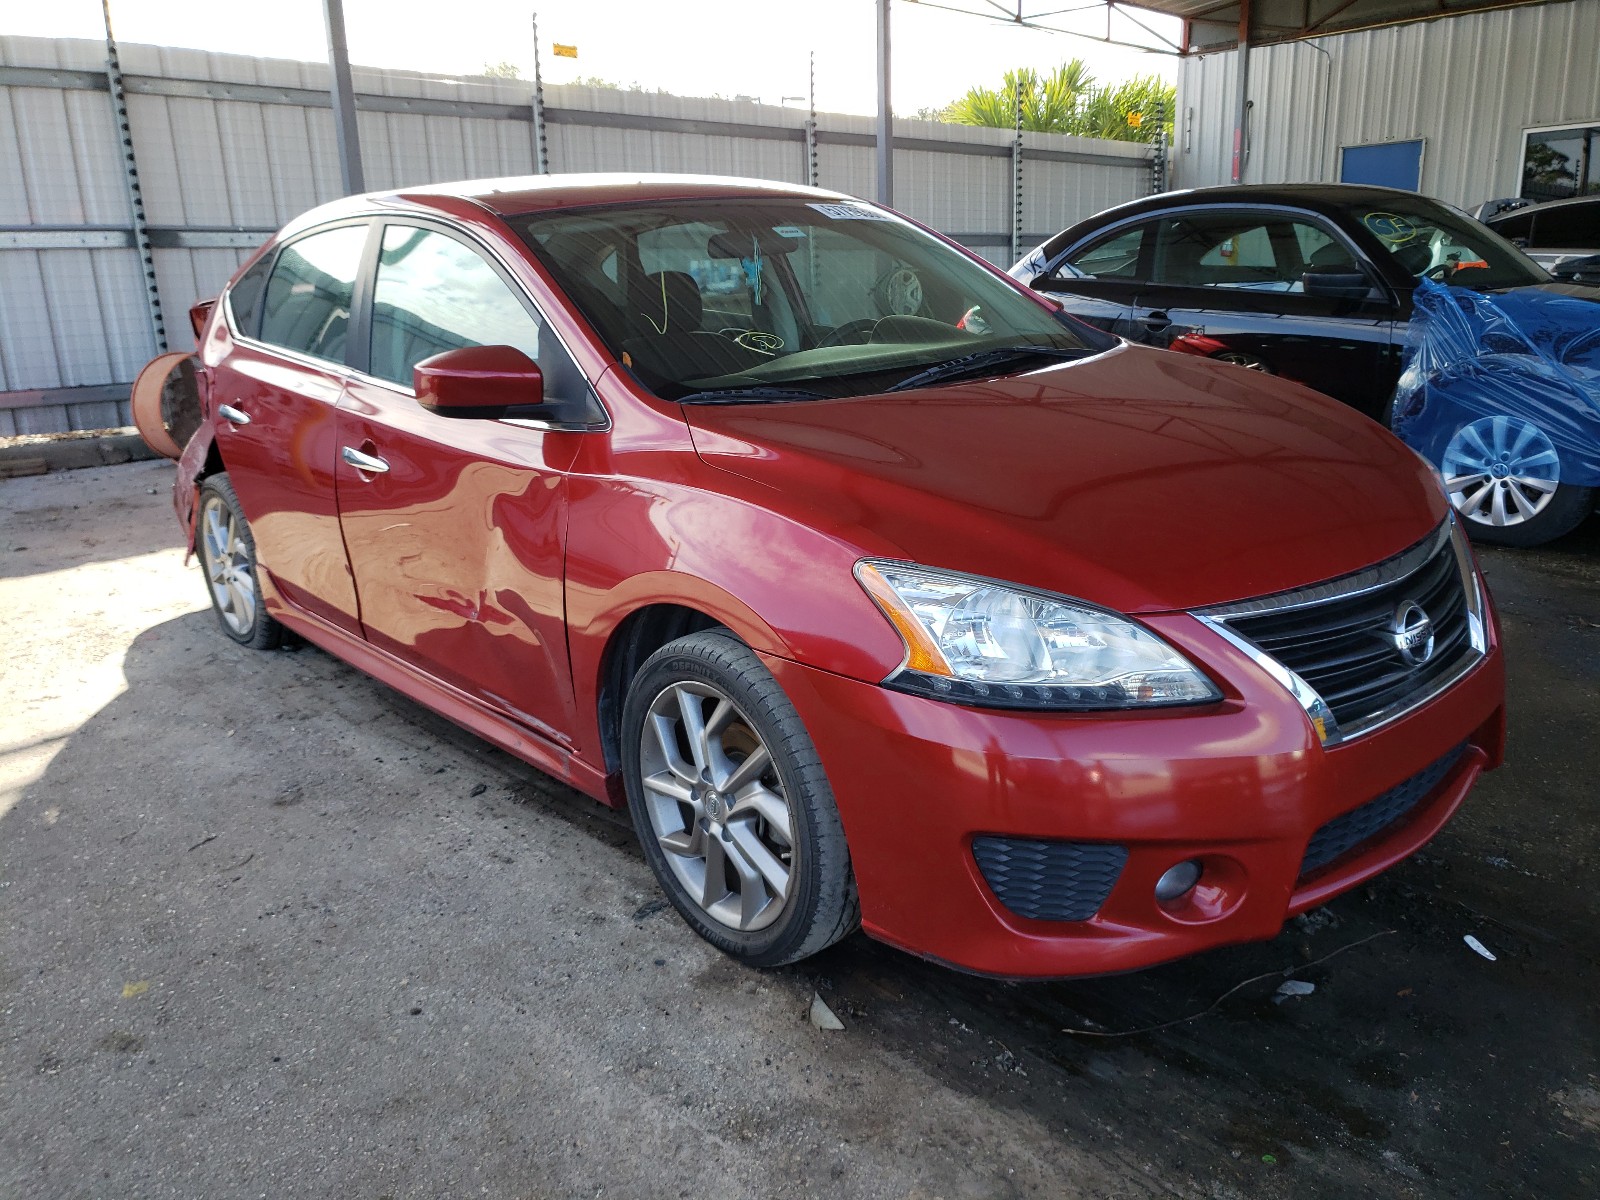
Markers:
point(1155, 320)
point(229, 413)
point(363, 462)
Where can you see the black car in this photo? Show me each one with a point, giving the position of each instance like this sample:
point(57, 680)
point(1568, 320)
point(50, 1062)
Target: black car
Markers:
point(1562, 236)
point(1320, 283)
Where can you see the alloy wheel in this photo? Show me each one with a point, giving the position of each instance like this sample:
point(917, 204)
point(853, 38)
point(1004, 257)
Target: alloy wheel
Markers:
point(228, 566)
point(1501, 470)
point(717, 806)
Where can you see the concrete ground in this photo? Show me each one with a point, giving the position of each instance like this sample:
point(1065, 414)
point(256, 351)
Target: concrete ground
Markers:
point(268, 929)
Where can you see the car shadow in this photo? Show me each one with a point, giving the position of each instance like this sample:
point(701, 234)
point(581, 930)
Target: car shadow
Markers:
point(218, 816)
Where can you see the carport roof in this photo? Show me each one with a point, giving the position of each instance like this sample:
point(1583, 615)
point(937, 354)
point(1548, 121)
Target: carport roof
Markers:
point(1215, 24)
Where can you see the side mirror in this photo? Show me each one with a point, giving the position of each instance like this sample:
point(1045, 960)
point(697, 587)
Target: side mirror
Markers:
point(1337, 285)
point(486, 382)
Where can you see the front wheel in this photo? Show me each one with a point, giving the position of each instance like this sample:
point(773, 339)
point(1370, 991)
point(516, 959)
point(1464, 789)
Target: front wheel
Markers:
point(1503, 474)
point(731, 805)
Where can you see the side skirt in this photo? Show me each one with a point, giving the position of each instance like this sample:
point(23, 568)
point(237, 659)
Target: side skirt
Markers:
point(449, 702)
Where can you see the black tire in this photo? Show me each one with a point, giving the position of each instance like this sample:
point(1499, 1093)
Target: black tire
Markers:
point(820, 905)
point(248, 625)
point(1568, 508)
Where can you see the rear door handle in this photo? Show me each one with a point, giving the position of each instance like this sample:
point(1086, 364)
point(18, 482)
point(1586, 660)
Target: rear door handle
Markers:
point(363, 462)
point(1155, 321)
point(229, 413)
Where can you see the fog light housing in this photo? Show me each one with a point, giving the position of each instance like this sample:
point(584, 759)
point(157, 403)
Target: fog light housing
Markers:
point(1177, 882)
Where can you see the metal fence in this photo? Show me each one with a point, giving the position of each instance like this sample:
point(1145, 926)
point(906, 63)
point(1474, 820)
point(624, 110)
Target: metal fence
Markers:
point(228, 148)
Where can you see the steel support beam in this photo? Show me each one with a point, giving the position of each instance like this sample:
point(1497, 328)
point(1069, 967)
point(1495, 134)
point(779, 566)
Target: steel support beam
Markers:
point(348, 136)
point(885, 111)
point(1241, 148)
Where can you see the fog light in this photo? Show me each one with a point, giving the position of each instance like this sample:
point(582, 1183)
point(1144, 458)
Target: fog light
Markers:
point(1177, 882)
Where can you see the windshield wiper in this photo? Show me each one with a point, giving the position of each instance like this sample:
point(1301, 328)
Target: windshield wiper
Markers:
point(749, 395)
point(982, 360)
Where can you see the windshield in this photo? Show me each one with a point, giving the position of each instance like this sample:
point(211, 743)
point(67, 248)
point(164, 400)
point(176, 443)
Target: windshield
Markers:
point(755, 300)
point(1429, 241)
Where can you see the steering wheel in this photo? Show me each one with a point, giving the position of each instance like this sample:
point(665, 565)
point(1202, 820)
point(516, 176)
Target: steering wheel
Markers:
point(851, 333)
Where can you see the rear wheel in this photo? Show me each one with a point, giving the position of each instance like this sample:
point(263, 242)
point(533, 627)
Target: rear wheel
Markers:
point(228, 557)
point(1503, 474)
point(732, 808)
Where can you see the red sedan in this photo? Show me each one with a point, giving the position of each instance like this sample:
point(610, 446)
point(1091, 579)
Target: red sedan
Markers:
point(878, 590)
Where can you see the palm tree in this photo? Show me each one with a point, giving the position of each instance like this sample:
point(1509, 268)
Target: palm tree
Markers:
point(1067, 101)
point(1047, 101)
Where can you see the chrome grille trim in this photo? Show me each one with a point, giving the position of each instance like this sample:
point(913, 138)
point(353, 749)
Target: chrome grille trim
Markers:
point(1330, 730)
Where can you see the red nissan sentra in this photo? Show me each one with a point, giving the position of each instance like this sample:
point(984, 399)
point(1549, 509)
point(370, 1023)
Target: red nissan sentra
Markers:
point(879, 591)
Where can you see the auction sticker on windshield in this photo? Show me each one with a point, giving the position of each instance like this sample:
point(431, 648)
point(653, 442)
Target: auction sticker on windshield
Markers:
point(849, 212)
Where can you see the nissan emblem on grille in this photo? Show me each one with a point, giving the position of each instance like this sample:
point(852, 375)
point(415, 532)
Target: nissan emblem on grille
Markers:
point(1412, 633)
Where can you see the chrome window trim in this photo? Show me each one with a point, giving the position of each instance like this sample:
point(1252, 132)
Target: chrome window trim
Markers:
point(276, 249)
point(1370, 267)
point(1359, 583)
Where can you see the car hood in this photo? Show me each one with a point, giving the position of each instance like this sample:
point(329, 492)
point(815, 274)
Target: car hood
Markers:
point(1139, 480)
point(1544, 293)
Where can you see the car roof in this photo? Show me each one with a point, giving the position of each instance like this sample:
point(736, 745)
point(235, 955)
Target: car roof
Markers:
point(523, 194)
point(1546, 206)
point(515, 195)
point(1328, 198)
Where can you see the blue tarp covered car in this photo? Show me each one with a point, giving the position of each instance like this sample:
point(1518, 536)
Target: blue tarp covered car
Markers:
point(1501, 391)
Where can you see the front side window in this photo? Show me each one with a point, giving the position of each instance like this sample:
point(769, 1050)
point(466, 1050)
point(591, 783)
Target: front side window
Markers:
point(307, 302)
point(1250, 251)
point(1116, 257)
point(835, 298)
point(434, 294)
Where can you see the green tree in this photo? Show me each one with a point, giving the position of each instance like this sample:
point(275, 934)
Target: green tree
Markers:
point(1110, 112)
point(1047, 100)
point(501, 70)
point(1067, 101)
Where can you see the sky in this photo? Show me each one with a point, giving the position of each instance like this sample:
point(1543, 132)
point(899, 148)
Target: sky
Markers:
point(757, 48)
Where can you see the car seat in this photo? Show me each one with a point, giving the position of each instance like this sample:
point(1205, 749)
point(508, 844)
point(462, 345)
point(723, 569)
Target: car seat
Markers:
point(665, 311)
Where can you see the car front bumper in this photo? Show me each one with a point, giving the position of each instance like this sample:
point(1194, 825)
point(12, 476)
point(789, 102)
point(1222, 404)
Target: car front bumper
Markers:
point(1241, 786)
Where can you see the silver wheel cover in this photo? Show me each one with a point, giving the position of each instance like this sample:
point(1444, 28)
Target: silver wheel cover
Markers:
point(226, 560)
point(1501, 471)
point(716, 806)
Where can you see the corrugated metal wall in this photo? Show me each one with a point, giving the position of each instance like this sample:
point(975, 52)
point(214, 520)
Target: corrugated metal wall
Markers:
point(1469, 85)
point(229, 148)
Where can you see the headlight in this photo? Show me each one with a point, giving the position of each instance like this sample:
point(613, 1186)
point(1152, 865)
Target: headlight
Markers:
point(978, 642)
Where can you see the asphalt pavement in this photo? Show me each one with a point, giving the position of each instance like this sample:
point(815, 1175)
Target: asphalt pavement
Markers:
point(267, 928)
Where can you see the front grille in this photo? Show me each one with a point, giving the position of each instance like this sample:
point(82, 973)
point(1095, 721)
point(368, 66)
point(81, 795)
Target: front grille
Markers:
point(1049, 881)
point(1345, 833)
point(1339, 637)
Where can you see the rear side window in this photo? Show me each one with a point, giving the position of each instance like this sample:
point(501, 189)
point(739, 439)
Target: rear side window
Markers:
point(1512, 228)
point(244, 297)
point(306, 306)
point(1570, 227)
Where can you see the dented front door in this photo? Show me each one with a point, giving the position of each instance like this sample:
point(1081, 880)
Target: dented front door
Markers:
point(455, 530)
